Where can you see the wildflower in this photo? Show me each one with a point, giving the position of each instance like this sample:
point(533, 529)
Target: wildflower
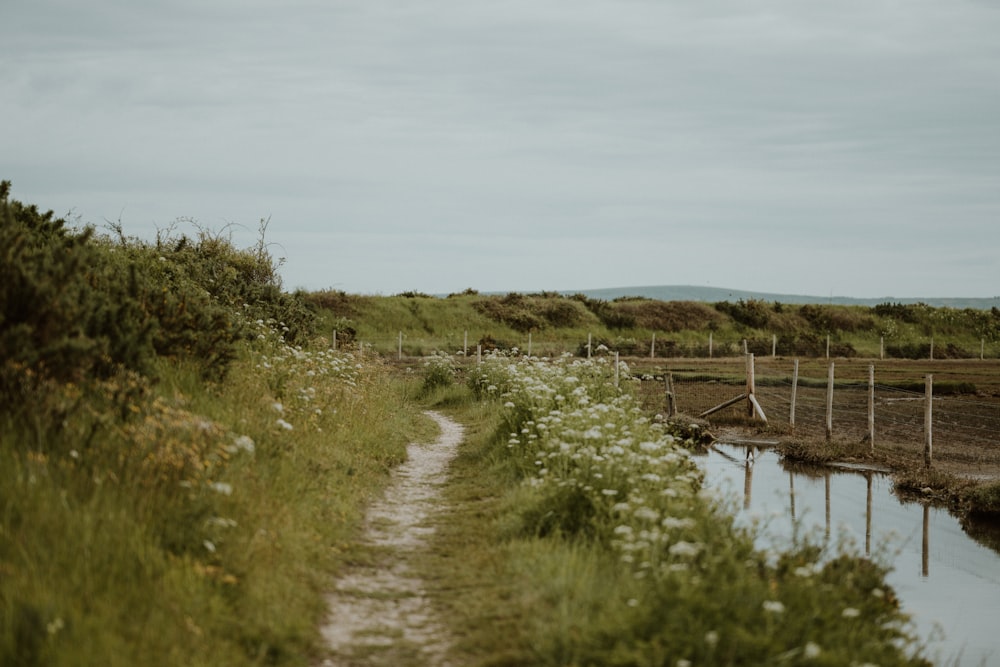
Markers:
point(209, 546)
point(684, 549)
point(222, 487)
point(646, 514)
point(278, 407)
point(773, 606)
point(683, 663)
point(245, 443)
point(609, 492)
point(283, 424)
point(632, 602)
point(711, 637)
point(58, 624)
point(811, 650)
point(850, 612)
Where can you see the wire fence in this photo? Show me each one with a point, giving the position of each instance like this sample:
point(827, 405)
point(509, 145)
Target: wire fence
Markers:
point(662, 346)
point(964, 427)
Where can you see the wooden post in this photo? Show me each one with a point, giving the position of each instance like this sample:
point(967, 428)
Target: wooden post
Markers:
point(932, 349)
point(529, 345)
point(928, 419)
point(868, 517)
point(709, 344)
point(871, 408)
point(881, 347)
point(829, 403)
point(652, 347)
point(616, 369)
point(465, 344)
point(982, 348)
point(589, 341)
point(479, 353)
point(795, 388)
point(671, 400)
point(334, 340)
point(745, 351)
point(925, 543)
point(828, 346)
point(774, 345)
point(400, 355)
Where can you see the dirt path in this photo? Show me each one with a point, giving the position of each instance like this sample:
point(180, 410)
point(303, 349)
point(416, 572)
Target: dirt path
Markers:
point(379, 612)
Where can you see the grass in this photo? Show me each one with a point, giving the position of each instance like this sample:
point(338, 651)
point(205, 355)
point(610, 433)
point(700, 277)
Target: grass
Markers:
point(159, 541)
point(517, 595)
point(560, 324)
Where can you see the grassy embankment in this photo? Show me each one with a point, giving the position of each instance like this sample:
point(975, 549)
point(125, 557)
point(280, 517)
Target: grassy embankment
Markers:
point(578, 534)
point(903, 334)
point(559, 324)
point(181, 470)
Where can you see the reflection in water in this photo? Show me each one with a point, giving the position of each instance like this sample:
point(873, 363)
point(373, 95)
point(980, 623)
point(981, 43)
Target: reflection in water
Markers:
point(962, 599)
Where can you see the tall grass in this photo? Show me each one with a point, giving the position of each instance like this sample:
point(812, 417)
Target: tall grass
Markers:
point(559, 324)
point(203, 529)
point(607, 551)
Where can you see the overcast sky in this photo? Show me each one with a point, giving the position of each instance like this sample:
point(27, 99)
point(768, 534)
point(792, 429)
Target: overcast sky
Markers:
point(847, 147)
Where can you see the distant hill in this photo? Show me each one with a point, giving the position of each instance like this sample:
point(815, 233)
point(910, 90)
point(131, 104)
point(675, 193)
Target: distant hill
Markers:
point(716, 294)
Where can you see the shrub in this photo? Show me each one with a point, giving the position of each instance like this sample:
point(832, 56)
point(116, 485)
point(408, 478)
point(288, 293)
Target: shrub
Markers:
point(753, 313)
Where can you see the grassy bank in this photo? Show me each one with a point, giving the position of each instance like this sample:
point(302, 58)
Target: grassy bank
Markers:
point(635, 326)
point(580, 535)
point(181, 467)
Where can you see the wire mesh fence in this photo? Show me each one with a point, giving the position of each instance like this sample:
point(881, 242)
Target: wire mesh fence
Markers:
point(965, 426)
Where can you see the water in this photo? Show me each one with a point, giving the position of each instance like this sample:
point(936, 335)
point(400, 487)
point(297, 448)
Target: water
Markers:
point(945, 579)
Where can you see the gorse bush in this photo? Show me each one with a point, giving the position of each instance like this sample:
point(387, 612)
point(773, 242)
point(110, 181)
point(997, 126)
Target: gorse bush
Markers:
point(75, 306)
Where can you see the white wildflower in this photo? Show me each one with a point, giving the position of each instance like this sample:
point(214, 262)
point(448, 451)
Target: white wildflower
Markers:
point(773, 606)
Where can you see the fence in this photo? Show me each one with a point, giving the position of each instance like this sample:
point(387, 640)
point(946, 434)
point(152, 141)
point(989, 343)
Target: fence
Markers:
point(903, 408)
point(661, 346)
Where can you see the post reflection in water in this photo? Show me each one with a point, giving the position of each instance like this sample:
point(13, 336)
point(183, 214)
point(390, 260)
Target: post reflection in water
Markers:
point(961, 598)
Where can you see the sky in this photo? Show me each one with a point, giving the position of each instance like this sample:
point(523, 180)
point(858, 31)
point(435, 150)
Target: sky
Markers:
point(847, 148)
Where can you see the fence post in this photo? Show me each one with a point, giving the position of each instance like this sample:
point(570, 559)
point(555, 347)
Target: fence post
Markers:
point(479, 354)
point(334, 340)
point(932, 348)
point(828, 346)
point(590, 340)
point(400, 355)
point(465, 344)
point(671, 401)
point(982, 348)
point(774, 345)
point(652, 347)
point(616, 368)
point(871, 408)
point(795, 388)
point(829, 403)
point(529, 345)
point(745, 350)
point(928, 418)
point(881, 348)
point(709, 344)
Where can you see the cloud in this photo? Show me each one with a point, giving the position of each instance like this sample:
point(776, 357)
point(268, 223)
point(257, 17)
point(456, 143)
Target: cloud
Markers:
point(869, 129)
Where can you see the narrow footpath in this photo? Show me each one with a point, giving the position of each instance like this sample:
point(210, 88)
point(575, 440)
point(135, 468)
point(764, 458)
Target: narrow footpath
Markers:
point(379, 611)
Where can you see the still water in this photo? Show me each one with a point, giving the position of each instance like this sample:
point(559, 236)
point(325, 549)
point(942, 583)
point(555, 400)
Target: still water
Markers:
point(948, 581)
